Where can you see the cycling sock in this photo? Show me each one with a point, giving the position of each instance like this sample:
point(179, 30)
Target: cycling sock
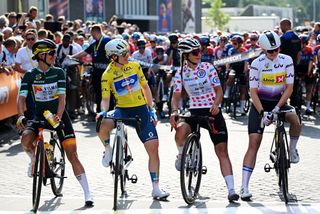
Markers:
point(180, 149)
point(82, 178)
point(246, 173)
point(293, 143)
point(230, 183)
point(308, 104)
point(242, 102)
point(226, 93)
point(30, 155)
point(155, 180)
point(106, 142)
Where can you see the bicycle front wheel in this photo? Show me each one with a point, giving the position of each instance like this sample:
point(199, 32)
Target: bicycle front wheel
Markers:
point(37, 176)
point(191, 169)
point(57, 166)
point(283, 168)
point(117, 172)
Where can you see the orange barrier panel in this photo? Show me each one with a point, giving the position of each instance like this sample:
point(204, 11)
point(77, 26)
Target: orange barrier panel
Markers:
point(9, 87)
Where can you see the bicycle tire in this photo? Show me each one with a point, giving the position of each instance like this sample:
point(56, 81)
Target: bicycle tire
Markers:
point(170, 99)
point(90, 102)
point(283, 167)
point(117, 172)
point(58, 168)
point(189, 169)
point(124, 175)
point(37, 176)
point(234, 99)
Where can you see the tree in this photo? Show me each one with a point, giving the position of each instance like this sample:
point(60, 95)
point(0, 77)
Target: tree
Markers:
point(215, 17)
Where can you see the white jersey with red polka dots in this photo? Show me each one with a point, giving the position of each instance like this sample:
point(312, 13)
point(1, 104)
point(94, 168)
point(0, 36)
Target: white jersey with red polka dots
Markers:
point(199, 84)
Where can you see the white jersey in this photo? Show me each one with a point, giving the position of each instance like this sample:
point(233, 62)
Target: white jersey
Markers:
point(271, 76)
point(145, 57)
point(199, 84)
point(24, 59)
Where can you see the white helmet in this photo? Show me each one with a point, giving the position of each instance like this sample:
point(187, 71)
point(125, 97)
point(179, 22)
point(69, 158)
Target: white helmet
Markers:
point(116, 47)
point(187, 45)
point(269, 40)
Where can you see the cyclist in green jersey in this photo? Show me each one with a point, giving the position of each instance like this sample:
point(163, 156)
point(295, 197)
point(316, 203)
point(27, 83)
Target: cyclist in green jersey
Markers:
point(47, 85)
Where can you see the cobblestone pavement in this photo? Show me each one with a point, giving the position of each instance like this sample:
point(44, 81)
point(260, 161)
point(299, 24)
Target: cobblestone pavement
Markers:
point(303, 181)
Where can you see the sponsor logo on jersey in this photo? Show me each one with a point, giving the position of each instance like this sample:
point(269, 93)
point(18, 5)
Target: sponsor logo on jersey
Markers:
point(201, 73)
point(187, 75)
point(215, 80)
point(278, 66)
point(266, 66)
point(276, 79)
point(38, 77)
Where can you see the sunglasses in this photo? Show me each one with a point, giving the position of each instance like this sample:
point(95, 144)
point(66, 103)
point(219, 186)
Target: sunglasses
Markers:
point(30, 39)
point(195, 52)
point(124, 54)
point(234, 43)
point(52, 53)
point(272, 51)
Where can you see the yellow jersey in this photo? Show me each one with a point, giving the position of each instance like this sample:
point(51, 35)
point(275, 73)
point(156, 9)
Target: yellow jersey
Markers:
point(125, 84)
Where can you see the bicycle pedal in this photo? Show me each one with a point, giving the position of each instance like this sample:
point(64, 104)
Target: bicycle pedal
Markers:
point(204, 170)
point(133, 179)
point(128, 158)
point(267, 167)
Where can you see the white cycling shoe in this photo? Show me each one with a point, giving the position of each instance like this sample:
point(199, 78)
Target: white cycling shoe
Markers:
point(107, 155)
point(158, 194)
point(294, 157)
point(245, 195)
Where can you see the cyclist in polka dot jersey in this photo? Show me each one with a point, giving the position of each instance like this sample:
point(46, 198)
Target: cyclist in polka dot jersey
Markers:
point(201, 82)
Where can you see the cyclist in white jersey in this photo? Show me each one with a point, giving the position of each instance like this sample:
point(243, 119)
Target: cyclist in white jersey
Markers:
point(202, 84)
point(271, 84)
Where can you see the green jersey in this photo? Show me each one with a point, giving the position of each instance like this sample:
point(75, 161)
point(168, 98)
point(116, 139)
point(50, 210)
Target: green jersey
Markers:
point(45, 88)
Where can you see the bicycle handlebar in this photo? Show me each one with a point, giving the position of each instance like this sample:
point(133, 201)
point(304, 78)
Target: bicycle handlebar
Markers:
point(136, 119)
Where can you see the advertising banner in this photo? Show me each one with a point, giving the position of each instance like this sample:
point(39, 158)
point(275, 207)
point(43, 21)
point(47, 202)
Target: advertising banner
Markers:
point(188, 16)
point(9, 87)
point(165, 16)
point(58, 8)
point(94, 10)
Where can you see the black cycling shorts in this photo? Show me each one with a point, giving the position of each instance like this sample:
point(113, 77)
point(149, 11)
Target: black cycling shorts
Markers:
point(68, 129)
point(254, 120)
point(219, 125)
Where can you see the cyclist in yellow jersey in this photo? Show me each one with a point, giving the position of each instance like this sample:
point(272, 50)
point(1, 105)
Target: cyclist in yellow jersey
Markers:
point(133, 97)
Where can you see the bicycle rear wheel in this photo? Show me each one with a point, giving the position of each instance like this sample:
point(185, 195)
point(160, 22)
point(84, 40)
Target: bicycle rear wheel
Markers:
point(283, 168)
point(90, 100)
point(117, 172)
point(57, 166)
point(191, 169)
point(234, 100)
point(37, 176)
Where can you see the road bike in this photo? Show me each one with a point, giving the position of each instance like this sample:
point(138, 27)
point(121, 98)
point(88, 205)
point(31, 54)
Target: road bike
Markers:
point(280, 154)
point(192, 169)
point(49, 162)
point(121, 156)
point(233, 101)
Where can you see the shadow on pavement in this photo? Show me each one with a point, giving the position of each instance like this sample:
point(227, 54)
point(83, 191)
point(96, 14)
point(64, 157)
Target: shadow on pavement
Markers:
point(51, 205)
point(13, 150)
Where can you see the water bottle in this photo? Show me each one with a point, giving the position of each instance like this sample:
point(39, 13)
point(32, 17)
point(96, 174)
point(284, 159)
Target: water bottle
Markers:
point(49, 150)
point(50, 118)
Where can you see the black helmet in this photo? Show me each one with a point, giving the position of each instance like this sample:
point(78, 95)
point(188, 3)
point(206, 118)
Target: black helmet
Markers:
point(173, 38)
point(43, 46)
point(159, 49)
point(141, 42)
